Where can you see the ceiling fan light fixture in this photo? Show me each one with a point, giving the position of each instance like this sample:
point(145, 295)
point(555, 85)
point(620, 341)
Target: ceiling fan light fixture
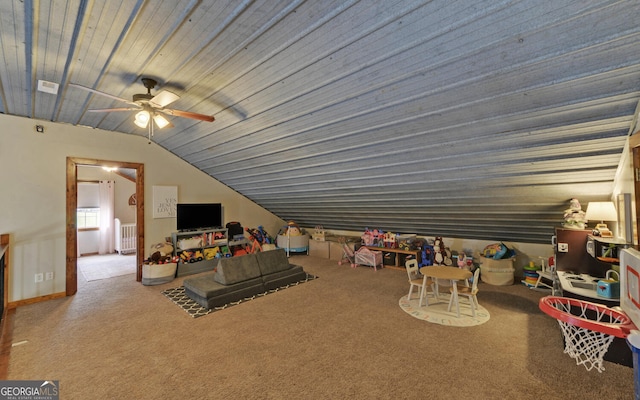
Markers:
point(142, 119)
point(160, 121)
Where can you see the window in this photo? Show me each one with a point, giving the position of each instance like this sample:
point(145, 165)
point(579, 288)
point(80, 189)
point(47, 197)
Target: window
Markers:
point(88, 218)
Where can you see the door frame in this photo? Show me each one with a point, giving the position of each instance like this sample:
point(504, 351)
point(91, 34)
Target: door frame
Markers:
point(634, 146)
point(72, 205)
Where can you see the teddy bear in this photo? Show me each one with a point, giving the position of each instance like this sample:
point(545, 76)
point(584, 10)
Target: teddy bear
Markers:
point(160, 252)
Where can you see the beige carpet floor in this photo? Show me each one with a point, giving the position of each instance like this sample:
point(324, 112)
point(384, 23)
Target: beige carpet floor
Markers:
point(106, 266)
point(341, 336)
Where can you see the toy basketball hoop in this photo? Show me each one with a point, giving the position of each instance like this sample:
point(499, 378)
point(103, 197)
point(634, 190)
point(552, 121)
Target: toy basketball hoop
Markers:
point(588, 328)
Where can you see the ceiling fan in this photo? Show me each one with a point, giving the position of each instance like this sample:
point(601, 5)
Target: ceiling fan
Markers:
point(150, 108)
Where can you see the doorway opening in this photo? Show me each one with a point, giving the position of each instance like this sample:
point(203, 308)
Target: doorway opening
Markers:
point(72, 204)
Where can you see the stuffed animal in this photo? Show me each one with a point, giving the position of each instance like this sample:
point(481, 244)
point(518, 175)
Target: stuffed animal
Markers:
point(464, 261)
point(442, 254)
point(164, 248)
point(161, 253)
point(574, 217)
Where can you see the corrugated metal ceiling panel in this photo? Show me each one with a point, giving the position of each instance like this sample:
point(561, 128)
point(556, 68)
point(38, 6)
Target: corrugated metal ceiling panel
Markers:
point(476, 119)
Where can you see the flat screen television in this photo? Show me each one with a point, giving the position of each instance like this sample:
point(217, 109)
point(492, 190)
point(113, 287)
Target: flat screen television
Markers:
point(198, 216)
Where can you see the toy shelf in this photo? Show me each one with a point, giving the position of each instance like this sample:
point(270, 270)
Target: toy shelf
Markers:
point(399, 264)
point(196, 242)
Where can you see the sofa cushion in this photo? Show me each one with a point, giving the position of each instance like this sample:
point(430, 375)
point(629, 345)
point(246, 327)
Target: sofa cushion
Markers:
point(273, 261)
point(237, 269)
point(205, 291)
point(206, 286)
point(282, 278)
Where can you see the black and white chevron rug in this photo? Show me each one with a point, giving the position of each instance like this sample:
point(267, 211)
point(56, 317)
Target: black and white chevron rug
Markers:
point(195, 310)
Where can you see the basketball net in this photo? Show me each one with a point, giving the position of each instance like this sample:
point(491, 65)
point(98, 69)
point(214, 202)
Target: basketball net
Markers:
point(586, 347)
point(587, 335)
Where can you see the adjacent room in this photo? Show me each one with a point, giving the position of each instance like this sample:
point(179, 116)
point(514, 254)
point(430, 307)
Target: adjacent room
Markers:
point(320, 199)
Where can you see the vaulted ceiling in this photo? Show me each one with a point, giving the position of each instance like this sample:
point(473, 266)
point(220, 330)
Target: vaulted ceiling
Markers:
point(474, 119)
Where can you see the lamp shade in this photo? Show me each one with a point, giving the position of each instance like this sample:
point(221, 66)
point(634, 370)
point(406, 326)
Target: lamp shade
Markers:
point(142, 119)
point(160, 121)
point(601, 211)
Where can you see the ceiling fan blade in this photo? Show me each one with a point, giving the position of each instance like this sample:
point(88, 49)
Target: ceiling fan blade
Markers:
point(188, 114)
point(163, 99)
point(114, 109)
point(88, 89)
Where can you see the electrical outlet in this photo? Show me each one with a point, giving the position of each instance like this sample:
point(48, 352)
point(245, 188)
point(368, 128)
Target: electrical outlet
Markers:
point(563, 247)
point(39, 277)
point(48, 276)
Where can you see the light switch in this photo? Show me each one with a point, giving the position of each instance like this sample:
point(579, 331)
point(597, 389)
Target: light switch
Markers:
point(563, 247)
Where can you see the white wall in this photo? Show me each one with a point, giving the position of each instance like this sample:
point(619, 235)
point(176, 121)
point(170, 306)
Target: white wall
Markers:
point(33, 201)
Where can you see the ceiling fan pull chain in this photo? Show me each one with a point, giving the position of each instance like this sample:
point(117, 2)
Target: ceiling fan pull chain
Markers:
point(150, 130)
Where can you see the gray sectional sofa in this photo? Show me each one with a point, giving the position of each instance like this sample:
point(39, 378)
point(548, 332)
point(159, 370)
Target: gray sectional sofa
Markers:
point(236, 278)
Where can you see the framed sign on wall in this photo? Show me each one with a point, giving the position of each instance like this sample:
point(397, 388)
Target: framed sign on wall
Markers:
point(165, 199)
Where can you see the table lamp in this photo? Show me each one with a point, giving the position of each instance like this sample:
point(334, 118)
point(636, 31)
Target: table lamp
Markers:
point(602, 211)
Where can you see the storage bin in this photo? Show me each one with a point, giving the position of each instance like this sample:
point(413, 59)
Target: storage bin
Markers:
point(389, 258)
point(497, 272)
point(157, 274)
point(318, 248)
point(189, 243)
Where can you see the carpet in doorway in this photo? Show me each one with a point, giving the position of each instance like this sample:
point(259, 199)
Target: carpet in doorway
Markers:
point(195, 310)
point(106, 266)
point(437, 312)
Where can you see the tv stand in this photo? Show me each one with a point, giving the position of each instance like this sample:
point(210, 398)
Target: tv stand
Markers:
point(200, 241)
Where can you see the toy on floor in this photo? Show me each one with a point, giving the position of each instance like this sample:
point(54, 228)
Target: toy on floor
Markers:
point(259, 234)
point(348, 255)
point(365, 256)
point(255, 247)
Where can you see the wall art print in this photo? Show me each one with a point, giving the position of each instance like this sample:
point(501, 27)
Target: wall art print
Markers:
point(165, 199)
